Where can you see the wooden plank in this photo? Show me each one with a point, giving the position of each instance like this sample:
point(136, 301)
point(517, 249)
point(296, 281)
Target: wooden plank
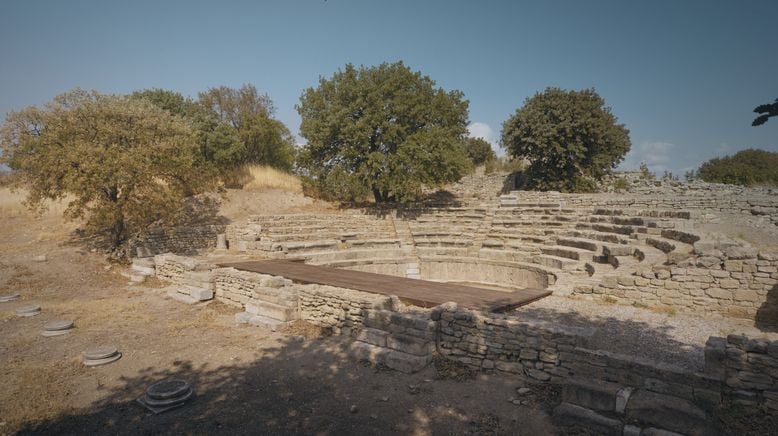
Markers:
point(417, 292)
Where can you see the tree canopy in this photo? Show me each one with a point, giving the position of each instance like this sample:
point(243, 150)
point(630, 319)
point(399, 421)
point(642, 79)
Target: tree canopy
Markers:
point(570, 138)
point(385, 130)
point(234, 127)
point(479, 151)
point(766, 111)
point(747, 168)
point(120, 162)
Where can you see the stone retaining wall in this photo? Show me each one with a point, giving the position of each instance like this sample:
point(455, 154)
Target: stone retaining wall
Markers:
point(339, 309)
point(748, 367)
point(732, 280)
point(178, 240)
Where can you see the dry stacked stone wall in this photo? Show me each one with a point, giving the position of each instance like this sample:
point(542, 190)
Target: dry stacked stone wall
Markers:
point(179, 240)
point(731, 280)
point(343, 311)
point(748, 368)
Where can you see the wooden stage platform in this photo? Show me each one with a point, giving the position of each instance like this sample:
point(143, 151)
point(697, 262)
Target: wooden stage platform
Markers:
point(412, 291)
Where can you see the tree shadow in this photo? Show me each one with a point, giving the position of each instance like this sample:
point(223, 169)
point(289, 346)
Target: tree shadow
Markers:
point(767, 315)
point(627, 337)
point(300, 387)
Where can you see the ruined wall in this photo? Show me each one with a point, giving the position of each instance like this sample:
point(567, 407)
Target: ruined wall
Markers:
point(341, 310)
point(733, 280)
point(478, 270)
point(237, 288)
point(178, 240)
point(749, 368)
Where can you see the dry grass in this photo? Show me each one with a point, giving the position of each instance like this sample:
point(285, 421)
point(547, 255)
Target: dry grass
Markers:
point(45, 388)
point(92, 314)
point(202, 319)
point(263, 177)
point(11, 204)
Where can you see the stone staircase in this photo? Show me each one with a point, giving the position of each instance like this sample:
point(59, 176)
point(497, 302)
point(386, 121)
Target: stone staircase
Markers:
point(611, 409)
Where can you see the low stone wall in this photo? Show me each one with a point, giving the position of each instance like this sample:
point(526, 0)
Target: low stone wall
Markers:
point(478, 270)
point(548, 352)
point(178, 240)
point(339, 309)
point(172, 267)
point(730, 280)
point(749, 368)
point(237, 288)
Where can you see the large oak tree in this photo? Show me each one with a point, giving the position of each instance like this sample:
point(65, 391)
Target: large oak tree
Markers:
point(122, 163)
point(386, 130)
point(570, 138)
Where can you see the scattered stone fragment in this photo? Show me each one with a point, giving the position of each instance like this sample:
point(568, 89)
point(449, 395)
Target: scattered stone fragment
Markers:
point(384, 399)
point(28, 310)
point(57, 328)
point(9, 297)
point(41, 258)
point(165, 395)
point(101, 355)
point(353, 408)
point(523, 391)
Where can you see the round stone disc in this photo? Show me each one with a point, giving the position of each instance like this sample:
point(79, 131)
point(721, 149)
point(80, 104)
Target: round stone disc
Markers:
point(7, 298)
point(49, 333)
point(170, 401)
point(98, 362)
point(100, 352)
point(58, 325)
point(29, 310)
point(167, 389)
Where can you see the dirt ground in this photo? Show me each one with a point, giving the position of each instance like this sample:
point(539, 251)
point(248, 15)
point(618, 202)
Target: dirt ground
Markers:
point(247, 380)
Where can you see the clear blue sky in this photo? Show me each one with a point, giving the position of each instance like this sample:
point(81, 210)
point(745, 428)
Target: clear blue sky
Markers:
point(683, 76)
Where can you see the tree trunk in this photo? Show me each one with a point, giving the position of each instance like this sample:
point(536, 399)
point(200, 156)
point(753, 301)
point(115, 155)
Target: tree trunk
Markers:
point(117, 233)
point(379, 198)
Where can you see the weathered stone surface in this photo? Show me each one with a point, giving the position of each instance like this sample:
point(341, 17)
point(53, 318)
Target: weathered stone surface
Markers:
point(668, 412)
point(592, 394)
point(567, 414)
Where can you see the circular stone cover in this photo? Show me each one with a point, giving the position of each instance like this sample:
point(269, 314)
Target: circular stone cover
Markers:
point(10, 297)
point(98, 362)
point(58, 325)
point(169, 402)
point(50, 333)
point(167, 389)
point(100, 352)
point(29, 308)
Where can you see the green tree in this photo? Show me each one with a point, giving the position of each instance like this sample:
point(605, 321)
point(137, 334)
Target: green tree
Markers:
point(249, 116)
point(386, 129)
point(747, 167)
point(479, 151)
point(766, 111)
point(121, 163)
point(570, 138)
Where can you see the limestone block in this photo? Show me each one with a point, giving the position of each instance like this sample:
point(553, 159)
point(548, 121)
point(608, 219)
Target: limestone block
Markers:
point(668, 412)
point(592, 394)
point(409, 344)
point(200, 294)
point(740, 252)
point(729, 284)
point(733, 265)
point(719, 293)
point(570, 414)
point(373, 336)
point(746, 295)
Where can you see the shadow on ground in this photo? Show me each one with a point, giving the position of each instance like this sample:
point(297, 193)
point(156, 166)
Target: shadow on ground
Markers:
point(628, 337)
point(304, 387)
point(767, 314)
